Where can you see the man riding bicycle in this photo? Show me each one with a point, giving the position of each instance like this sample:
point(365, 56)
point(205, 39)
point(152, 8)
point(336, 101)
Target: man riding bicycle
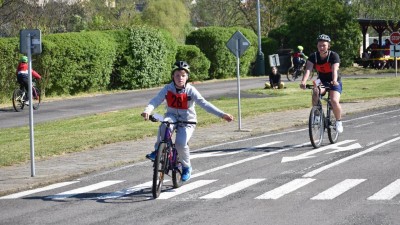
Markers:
point(326, 63)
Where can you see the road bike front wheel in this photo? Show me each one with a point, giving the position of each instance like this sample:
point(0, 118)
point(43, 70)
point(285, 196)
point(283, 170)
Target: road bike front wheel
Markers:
point(17, 100)
point(160, 163)
point(316, 126)
point(333, 135)
point(36, 98)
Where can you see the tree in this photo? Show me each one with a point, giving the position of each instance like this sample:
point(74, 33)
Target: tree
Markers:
point(307, 19)
point(243, 13)
point(172, 15)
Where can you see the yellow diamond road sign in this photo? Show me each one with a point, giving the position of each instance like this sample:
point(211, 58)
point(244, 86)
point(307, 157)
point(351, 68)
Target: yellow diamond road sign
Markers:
point(238, 44)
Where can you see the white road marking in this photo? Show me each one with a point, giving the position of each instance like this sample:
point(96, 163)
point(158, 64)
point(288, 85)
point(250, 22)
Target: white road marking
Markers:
point(338, 189)
point(127, 191)
point(310, 154)
point(232, 189)
point(388, 192)
point(319, 170)
point(185, 188)
point(223, 153)
point(85, 189)
point(286, 188)
point(29, 192)
point(365, 124)
point(244, 160)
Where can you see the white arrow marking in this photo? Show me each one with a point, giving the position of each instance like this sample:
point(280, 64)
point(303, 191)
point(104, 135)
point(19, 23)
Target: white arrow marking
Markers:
point(223, 153)
point(310, 154)
point(347, 148)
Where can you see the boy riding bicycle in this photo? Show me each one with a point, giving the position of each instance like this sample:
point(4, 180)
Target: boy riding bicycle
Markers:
point(181, 98)
point(23, 76)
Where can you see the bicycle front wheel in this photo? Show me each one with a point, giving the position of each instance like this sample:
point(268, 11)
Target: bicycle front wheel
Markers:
point(160, 163)
point(177, 174)
point(17, 100)
point(316, 126)
point(333, 135)
point(36, 98)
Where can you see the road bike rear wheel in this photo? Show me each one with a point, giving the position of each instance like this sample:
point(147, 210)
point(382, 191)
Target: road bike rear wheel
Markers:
point(333, 135)
point(160, 163)
point(316, 126)
point(36, 98)
point(17, 100)
point(177, 174)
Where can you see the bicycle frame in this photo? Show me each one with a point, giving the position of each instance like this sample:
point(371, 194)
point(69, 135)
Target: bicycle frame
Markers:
point(316, 129)
point(167, 159)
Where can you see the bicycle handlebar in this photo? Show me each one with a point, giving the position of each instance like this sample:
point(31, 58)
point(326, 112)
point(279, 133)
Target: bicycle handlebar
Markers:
point(311, 86)
point(154, 119)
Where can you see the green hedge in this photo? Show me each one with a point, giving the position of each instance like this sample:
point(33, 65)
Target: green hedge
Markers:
point(76, 62)
point(212, 42)
point(199, 64)
point(140, 57)
point(9, 48)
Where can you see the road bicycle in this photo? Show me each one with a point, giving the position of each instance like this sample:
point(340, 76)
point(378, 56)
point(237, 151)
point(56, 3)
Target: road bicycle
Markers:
point(318, 122)
point(167, 158)
point(20, 97)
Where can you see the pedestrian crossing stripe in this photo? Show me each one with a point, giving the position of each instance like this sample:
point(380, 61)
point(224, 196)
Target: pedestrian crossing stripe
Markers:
point(85, 189)
point(387, 193)
point(338, 189)
point(286, 188)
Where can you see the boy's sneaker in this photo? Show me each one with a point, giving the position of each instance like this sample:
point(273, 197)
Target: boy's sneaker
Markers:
point(151, 156)
point(186, 172)
point(339, 126)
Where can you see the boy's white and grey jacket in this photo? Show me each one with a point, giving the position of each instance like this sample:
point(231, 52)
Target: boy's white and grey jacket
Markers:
point(193, 97)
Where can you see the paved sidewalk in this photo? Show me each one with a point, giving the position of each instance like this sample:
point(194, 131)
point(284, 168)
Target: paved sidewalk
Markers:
point(18, 178)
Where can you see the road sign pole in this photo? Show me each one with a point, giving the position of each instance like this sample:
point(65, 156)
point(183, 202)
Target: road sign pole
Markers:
point(238, 82)
point(32, 140)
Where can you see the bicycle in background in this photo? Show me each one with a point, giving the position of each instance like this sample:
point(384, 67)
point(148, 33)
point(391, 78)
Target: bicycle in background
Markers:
point(167, 159)
point(318, 122)
point(20, 97)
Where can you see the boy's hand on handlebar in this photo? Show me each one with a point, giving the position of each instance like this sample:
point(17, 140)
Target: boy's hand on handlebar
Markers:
point(227, 117)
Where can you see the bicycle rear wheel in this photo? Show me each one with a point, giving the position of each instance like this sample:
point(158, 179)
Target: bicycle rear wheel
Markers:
point(17, 100)
point(333, 135)
point(36, 98)
point(316, 126)
point(160, 163)
point(290, 74)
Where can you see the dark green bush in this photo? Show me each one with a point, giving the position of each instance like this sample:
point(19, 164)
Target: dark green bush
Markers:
point(145, 61)
point(212, 42)
point(9, 48)
point(77, 62)
point(199, 64)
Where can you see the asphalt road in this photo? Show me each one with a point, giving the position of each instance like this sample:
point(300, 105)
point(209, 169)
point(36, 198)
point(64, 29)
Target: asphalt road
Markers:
point(276, 178)
point(62, 109)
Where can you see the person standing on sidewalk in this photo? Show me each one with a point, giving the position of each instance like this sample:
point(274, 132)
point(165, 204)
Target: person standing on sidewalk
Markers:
point(181, 98)
point(326, 62)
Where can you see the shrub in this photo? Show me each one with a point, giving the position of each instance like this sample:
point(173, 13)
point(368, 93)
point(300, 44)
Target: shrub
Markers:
point(199, 64)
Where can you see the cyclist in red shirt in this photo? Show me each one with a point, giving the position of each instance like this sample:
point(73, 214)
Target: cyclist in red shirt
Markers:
point(22, 74)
